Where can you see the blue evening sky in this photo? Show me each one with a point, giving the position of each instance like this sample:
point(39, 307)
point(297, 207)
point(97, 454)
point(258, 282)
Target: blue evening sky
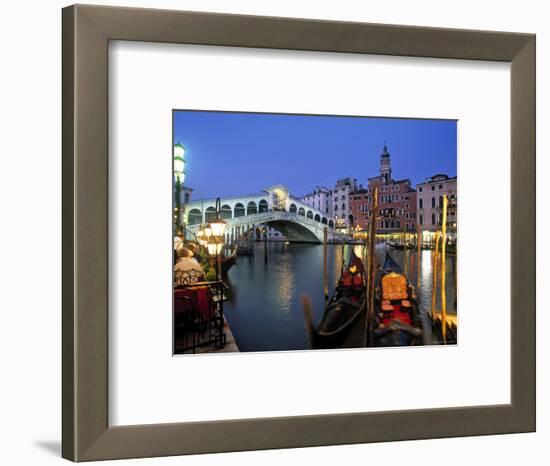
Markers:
point(231, 154)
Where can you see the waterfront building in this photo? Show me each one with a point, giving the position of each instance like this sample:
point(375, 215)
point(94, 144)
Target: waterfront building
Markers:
point(397, 195)
point(340, 202)
point(334, 202)
point(319, 199)
point(430, 203)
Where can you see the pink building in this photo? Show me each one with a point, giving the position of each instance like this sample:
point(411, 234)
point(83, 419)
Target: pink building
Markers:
point(396, 196)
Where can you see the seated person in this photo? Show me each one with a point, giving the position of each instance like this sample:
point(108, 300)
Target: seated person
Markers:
point(187, 269)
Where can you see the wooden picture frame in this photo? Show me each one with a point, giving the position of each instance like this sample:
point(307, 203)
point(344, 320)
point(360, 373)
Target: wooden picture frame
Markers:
point(86, 432)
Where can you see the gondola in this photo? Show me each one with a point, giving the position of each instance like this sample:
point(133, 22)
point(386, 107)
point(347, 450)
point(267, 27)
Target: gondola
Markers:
point(397, 320)
point(229, 262)
point(343, 324)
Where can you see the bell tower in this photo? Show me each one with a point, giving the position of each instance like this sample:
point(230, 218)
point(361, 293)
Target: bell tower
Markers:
point(385, 164)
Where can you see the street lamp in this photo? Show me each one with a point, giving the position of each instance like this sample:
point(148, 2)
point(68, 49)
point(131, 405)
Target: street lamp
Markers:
point(179, 177)
point(218, 226)
point(215, 235)
point(179, 163)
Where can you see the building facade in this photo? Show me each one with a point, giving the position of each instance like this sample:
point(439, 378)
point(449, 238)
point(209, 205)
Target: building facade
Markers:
point(319, 199)
point(340, 202)
point(335, 202)
point(396, 196)
point(430, 203)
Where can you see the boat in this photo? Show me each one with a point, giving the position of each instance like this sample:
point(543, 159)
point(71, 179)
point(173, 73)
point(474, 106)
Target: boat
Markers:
point(400, 246)
point(228, 262)
point(397, 320)
point(343, 324)
point(245, 245)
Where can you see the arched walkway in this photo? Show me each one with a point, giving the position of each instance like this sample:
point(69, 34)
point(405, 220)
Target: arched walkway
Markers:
point(226, 212)
point(262, 206)
point(194, 217)
point(210, 214)
point(239, 210)
point(251, 208)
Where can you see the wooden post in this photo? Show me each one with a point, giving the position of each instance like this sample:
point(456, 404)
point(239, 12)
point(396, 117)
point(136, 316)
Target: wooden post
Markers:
point(343, 258)
point(418, 249)
point(372, 236)
point(219, 263)
point(435, 263)
point(405, 250)
point(265, 244)
point(443, 274)
point(367, 260)
point(325, 262)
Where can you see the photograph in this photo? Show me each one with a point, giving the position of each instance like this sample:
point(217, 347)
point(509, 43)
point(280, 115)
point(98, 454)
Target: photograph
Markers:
point(298, 232)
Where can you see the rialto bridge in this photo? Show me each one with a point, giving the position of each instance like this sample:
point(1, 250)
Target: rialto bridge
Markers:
point(273, 207)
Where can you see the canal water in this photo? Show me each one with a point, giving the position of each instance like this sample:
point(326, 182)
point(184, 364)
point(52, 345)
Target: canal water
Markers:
point(264, 308)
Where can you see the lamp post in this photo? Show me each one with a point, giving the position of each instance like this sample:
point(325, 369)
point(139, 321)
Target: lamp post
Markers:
point(179, 177)
point(217, 234)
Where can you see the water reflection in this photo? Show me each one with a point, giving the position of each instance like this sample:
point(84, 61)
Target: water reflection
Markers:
point(264, 308)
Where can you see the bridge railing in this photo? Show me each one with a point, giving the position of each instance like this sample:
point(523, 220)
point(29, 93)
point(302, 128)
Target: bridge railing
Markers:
point(272, 215)
point(269, 216)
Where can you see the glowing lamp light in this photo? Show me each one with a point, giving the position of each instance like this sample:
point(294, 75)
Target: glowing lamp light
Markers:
point(179, 162)
point(214, 248)
point(207, 232)
point(218, 227)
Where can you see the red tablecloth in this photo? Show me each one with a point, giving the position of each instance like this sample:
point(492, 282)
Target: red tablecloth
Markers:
point(193, 299)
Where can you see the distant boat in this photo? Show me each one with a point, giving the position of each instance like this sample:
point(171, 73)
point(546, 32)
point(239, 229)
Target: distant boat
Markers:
point(401, 246)
point(245, 245)
point(343, 324)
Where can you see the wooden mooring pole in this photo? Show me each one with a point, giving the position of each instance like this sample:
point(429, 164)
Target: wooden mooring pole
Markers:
point(342, 264)
point(418, 250)
point(435, 265)
point(325, 262)
point(367, 260)
point(265, 244)
point(443, 274)
point(372, 236)
point(405, 250)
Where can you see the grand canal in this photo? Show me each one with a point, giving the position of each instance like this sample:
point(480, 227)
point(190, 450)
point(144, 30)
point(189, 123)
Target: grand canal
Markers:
point(264, 309)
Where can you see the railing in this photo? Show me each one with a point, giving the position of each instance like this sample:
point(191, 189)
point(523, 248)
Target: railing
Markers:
point(198, 315)
point(269, 216)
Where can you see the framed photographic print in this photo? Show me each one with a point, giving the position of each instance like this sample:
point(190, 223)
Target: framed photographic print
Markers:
point(261, 215)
